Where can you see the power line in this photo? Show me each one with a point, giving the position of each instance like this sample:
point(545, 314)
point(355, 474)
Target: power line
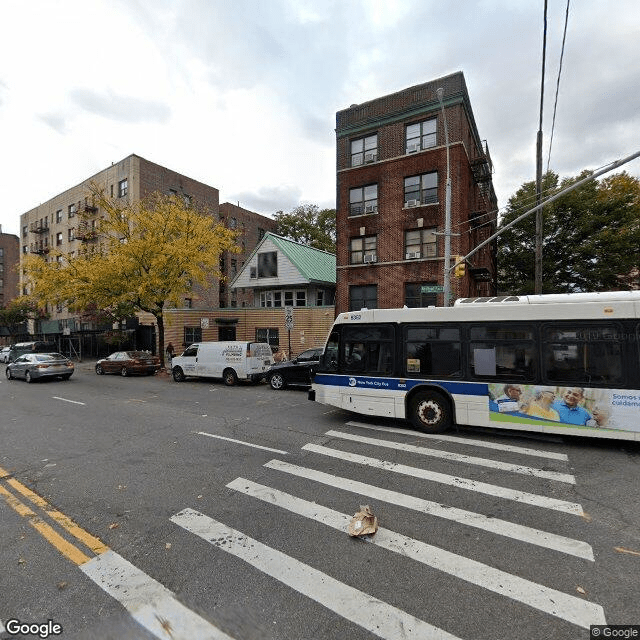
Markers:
point(555, 106)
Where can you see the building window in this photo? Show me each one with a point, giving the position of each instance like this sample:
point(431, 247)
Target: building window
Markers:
point(270, 336)
point(363, 200)
point(268, 265)
point(59, 215)
point(233, 223)
point(363, 250)
point(25, 230)
point(72, 210)
point(414, 296)
point(364, 150)
point(192, 334)
point(421, 189)
point(70, 234)
point(261, 233)
point(363, 297)
point(420, 243)
point(234, 268)
point(123, 188)
point(319, 298)
point(188, 303)
point(421, 135)
point(58, 238)
point(301, 298)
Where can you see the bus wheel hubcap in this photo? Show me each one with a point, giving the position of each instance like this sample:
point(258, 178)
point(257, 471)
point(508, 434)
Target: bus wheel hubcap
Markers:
point(429, 412)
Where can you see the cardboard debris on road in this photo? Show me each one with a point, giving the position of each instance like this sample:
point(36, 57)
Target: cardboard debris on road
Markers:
point(363, 523)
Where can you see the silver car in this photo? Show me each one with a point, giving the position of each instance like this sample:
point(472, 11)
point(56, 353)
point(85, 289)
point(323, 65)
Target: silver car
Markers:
point(35, 366)
point(4, 354)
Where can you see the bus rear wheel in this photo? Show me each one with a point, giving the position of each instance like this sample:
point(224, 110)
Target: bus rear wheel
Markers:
point(430, 412)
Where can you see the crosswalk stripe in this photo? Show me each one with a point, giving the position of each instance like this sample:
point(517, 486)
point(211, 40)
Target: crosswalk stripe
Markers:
point(505, 528)
point(455, 481)
point(457, 457)
point(376, 616)
point(242, 442)
point(546, 599)
point(151, 604)
point(551, 455)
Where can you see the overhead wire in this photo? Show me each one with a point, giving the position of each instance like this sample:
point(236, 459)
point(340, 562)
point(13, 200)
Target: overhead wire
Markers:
point(555, 106)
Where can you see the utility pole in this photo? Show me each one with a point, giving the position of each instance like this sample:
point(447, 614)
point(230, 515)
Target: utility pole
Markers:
point(447, 213)
point(539, 230)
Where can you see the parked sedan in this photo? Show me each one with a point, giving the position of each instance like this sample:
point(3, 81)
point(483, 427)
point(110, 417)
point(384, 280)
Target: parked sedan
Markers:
point(128, 362)
point(4, 354)
point(34, 366)
point(296, 372)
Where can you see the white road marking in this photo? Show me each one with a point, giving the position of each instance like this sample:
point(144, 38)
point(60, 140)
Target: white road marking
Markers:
point(376, 616)
point(468, 518)
point(67, 400)
point(458, 457)
point(149, 603)
point(459, 483)
point(551, 601)
point(462, 440)
point(246, 444)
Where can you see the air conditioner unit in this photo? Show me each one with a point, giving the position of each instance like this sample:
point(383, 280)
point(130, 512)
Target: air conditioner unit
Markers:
point(371, 258)
point(412, 203)
point(412, 148)
point(412, 254)
point(370, 157)
point(371, 208)
point(356, 161)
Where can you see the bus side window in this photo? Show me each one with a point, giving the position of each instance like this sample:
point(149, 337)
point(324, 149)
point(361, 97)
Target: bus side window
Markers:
point(331, 352)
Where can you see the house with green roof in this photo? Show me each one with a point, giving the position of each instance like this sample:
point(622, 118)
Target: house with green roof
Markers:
point(284, 273)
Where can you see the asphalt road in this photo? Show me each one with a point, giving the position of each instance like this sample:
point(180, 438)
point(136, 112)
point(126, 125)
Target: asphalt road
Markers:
point(145, 508)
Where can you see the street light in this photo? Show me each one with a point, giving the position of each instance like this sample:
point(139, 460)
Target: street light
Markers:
point(447, 211)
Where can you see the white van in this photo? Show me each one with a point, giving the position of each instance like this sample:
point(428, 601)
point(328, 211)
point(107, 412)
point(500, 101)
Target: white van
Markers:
point(231, 361)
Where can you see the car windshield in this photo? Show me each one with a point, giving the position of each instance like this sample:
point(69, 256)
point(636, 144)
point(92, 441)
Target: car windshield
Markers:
point(45, 357)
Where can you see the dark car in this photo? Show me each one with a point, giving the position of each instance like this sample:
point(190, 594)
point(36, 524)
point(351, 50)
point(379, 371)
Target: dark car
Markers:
point(35, 366)
point(128, 362)
point(295, 372)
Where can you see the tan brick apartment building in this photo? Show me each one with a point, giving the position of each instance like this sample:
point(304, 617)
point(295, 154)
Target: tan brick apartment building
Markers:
point(67, 223)
point(391, 176)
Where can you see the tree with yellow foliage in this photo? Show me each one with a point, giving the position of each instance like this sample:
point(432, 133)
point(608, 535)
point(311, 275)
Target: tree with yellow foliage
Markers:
point(149, 255)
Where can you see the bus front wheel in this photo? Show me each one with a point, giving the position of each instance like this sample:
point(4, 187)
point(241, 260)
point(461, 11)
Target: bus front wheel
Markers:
point(430, 412)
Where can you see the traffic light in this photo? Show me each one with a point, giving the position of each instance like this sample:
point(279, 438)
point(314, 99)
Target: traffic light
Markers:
point(459, 269)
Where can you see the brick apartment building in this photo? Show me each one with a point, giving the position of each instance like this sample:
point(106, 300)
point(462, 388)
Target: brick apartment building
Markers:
point(67, 223)
point(9, 262)
point(391, 178)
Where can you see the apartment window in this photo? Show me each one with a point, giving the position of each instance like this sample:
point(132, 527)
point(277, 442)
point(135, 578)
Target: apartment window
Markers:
point(363, 200)
point(364, 150)
point(188, 303)
point(25, 230)
point(420, 243)
point(123, 188)
point(421, 135)
point(59, 215)
point(268, 264)
point(319, 298)
point(421, 189)
point(301, 298)
point(192, 334)
point(70, 235)
point(71, 210)
point(415, 296)
point(58, 238)
point(288, 298)
point(363, 250)
point(363, 297)
point(261, 233)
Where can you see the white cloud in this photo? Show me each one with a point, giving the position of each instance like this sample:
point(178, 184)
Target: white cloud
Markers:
point(242, 94)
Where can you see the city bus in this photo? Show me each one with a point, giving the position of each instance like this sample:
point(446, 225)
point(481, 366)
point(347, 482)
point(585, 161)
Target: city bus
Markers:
point(561, 363)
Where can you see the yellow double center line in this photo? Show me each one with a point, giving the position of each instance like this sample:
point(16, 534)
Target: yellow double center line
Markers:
point(69, 550)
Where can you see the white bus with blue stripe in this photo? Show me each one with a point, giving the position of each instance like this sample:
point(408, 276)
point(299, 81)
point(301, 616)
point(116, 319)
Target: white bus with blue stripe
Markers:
point(565, 363)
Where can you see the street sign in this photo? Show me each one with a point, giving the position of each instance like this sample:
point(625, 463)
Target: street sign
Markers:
point(432, 288)
point(288, 318)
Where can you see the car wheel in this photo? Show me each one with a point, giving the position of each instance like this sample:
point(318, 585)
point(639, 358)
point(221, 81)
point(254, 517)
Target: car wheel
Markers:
point(229, 377)
point(99, 370)
point(8, 374)
point(178, 374)
point(277, 381)
point(27, 376)
point(430, 412)
point(123, 372)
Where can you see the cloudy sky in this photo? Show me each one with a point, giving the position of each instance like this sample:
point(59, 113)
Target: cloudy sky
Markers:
point(242, 94)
